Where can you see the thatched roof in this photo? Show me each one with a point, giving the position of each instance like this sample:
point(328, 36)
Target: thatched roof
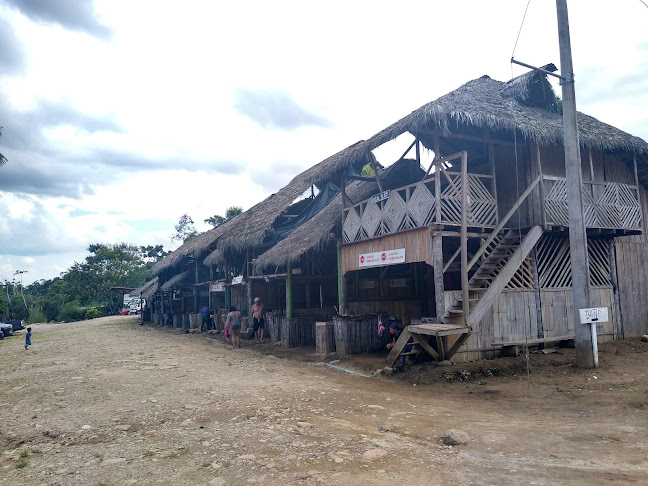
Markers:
point(214, 258)
point(148, 289)
point(253, 225)
point(196, 247)
point(175, 281)
point(521, 105)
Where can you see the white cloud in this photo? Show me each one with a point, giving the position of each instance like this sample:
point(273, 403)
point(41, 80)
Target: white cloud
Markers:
point(148, 127)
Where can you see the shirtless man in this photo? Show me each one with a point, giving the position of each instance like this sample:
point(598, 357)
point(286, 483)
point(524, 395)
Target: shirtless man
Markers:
point(257, 312)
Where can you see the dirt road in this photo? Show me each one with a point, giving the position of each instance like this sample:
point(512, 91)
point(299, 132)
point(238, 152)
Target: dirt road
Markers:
point(109, 402)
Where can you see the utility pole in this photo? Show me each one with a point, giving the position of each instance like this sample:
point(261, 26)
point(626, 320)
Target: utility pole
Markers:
point(20, 272)
point(577, 233)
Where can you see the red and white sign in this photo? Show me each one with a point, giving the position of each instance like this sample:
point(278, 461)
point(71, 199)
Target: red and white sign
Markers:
point(387, 257)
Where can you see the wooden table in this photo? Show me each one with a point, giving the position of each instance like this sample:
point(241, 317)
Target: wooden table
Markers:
point(421, 335)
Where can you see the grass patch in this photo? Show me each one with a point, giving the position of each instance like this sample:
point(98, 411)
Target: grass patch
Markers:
point(206, 464)
point(24, 453)
point(21, 463)
point(99, 456)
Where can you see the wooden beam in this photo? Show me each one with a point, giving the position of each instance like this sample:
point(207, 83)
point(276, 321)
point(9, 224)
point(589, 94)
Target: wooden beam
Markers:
point(395, 352)
point(289, 303)
point(464, 235)
point(458, 343)
point(423, 341)
point(496, 287)
point(437, 259)
point(503, 222)
point(452, 259)
point(459, 136)
point(375, 169)
point(437, 183)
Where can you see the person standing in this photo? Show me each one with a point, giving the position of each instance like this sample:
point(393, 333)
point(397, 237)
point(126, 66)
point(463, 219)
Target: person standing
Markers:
point(257, 311)
point(205, 311)
point(233, 322)
point(28, 338)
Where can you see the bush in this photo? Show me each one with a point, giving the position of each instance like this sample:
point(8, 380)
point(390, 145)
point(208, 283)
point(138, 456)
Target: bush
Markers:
point(92, 313)
point(36, 316)
point(72, 311)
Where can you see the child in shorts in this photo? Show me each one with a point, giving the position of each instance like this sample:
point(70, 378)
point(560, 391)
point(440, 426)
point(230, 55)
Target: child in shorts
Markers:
point(233, 323)
point(28, 338)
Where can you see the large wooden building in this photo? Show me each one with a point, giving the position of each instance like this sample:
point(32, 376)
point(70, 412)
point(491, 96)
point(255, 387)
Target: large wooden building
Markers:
point(477, 239)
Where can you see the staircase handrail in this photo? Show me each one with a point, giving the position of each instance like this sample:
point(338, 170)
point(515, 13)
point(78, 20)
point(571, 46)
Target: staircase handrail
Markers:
point(503, 222)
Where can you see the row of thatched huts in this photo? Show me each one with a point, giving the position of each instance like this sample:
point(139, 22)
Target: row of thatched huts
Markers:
point(474, 246)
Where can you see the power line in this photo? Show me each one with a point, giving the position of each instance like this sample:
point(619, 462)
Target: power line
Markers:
point(521, 25)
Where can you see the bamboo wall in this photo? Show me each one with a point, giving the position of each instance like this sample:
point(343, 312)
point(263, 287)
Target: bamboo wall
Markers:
point(513, 318)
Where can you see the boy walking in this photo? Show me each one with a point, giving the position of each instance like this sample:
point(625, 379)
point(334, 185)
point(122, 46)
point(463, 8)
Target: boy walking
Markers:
point(28, 338)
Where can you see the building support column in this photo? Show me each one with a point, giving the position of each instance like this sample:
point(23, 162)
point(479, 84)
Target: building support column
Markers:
point(614, 277)
point(289, 303)
point(536, 291)
point(437, 259)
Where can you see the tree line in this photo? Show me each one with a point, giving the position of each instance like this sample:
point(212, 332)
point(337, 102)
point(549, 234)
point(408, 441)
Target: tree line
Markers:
point(82, 291)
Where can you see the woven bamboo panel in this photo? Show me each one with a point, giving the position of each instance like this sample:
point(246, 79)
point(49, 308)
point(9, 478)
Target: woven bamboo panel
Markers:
point(371, 220)
point(394, 212)
point(421, 205)
point(615, 207)
point(351, 225)
point(483, 209)
point(554, 262)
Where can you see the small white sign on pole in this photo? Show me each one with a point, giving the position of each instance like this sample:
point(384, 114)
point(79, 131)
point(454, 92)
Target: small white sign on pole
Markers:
point(594, 314)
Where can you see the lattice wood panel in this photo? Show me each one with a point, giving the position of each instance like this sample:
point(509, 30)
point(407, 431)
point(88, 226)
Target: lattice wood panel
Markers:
point(351, 225)
point(483, 209)
point(371, 219)
point(554, 262)
point(615, 207)
point(523, 278)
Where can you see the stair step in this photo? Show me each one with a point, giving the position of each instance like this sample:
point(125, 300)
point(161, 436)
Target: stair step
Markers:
point(455, 311)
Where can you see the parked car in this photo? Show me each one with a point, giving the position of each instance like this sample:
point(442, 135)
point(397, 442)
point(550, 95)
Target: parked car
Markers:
point(18, 324)
point(6, 329)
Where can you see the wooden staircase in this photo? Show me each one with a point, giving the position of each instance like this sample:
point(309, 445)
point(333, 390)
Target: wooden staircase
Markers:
point(494, 273)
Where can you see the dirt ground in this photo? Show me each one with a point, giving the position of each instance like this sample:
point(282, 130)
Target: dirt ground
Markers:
point(109, 402)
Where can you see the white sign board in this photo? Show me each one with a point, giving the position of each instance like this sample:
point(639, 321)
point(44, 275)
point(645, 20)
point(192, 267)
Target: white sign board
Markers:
point(238, 280)
point(218, 287)
point(594, 314)
point(387, 257)
point(380, 196)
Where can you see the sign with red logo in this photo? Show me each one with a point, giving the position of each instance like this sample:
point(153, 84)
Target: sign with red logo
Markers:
point(387, 257)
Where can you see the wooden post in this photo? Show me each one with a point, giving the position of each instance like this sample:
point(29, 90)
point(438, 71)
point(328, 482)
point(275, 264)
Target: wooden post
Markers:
point(539, 215)
point(437, 259)
point(437, 182)
point(289, 303)
point(491, 160)
point(615, 289)
point(308, 299)
point(536, 291)
point(339, 275)
point(577, 233)
point(464, 235)
point(321, 289)
point(418, 151)
point(195, 289)
point(250, 298)
point(228, 297)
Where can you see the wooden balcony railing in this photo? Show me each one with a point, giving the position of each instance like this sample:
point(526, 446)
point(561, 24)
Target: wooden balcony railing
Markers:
point(418, 205)
point(606, 205)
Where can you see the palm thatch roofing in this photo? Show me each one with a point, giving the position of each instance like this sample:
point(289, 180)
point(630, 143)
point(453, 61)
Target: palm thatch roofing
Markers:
point(524, 105)
point(147, 290)
point(214, 258)
point(195, 247)
point(252, 226)
point(175, 281)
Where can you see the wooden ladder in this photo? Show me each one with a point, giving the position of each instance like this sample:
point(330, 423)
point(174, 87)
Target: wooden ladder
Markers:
point(494, 273)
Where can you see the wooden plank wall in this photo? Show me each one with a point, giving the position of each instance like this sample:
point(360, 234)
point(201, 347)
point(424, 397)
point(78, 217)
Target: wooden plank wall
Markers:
point(417, 244)
point(513, 318)
point(632, 269)
point(508, 188)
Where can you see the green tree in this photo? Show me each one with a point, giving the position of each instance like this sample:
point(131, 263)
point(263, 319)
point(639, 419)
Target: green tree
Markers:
point(58, 293)
point(185, 229)
point(118, 265)
point(230, 213)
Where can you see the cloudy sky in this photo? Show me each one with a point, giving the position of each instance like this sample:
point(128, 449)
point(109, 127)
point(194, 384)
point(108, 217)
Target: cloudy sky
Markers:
point(121, 115)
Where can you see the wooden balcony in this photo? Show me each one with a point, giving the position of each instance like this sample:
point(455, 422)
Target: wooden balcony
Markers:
point(434, 200)
point(606, 205)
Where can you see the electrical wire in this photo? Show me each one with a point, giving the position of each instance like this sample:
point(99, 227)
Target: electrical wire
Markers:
point(521, 25)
